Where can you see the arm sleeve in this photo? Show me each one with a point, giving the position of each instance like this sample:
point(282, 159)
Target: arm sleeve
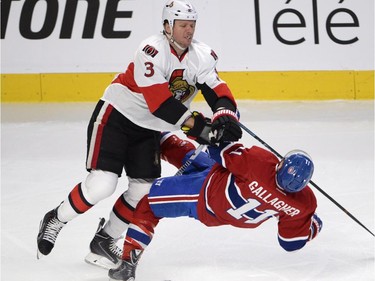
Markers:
point(221, 96)
point(215, 91)
point(293, 235)
point(295, 232)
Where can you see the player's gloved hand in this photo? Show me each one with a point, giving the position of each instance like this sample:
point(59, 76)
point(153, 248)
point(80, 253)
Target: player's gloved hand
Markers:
point(225, 126)
point(316, 226)
point(201, 129)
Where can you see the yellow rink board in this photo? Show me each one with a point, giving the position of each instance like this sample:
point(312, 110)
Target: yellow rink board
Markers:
point(273, 85)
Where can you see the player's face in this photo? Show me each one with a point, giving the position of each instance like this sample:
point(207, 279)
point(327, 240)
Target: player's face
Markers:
point(183, 32)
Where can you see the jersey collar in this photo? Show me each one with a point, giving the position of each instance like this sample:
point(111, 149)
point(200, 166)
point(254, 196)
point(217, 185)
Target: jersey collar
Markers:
point(180, 58)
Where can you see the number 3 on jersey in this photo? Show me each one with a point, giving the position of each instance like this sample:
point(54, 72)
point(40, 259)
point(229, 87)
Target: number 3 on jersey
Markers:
point(149, 69)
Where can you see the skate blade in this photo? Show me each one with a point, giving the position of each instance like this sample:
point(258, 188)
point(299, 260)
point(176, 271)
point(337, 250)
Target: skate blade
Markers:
point(111, 279)
point(39, 255)
point(100, 261)
point(131, 279)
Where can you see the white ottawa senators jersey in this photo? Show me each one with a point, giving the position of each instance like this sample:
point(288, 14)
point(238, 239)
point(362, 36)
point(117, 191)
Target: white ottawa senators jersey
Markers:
point(144, 93)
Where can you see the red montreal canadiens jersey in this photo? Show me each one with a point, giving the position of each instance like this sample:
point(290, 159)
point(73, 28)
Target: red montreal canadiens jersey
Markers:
point(156, 74)
point(242, 192)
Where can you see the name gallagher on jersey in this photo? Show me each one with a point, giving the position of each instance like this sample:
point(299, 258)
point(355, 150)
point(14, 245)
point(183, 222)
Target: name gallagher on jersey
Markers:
point(264, 195)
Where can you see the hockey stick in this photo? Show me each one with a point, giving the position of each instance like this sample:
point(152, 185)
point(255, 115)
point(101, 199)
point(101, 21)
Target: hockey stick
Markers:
point(190, 160)
point(311, 182)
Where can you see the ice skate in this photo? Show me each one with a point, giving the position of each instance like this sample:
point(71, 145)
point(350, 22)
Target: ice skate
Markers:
point(104, 251)
point(49, 229)
point(126, 270)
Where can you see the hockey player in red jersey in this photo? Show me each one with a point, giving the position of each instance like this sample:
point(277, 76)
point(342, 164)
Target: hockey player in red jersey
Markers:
point(152, 95)
point(237, 186)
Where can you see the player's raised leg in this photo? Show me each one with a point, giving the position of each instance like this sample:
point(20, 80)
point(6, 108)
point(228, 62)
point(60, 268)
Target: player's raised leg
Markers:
point(97, 186)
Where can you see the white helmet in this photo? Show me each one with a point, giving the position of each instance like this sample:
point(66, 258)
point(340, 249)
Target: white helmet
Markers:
point(178, 10)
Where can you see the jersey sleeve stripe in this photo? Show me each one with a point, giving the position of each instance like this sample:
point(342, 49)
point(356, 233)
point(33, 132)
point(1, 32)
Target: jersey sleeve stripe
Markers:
point(292, 244)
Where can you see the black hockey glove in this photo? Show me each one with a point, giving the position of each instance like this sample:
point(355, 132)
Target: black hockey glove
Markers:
point(225, 126)
point(201, 130)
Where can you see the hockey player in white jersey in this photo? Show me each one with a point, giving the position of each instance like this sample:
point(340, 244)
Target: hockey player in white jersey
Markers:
point(152, 95)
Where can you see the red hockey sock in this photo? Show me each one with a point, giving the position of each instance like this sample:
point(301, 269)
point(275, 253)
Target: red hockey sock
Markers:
point(78, 201)
point(141, 230)
point(123, 210)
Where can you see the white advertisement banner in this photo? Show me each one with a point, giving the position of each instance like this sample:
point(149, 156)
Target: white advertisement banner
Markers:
point(58, 36)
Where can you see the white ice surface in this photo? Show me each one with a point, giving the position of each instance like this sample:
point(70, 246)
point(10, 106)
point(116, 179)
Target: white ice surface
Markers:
point(43, 153)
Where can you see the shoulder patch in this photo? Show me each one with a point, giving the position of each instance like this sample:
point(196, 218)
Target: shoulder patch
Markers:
point(150, 51)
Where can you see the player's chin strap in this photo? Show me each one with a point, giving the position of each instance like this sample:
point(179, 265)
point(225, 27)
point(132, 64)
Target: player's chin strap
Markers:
point(247, 130)
point(191, 159)
point(171, 39)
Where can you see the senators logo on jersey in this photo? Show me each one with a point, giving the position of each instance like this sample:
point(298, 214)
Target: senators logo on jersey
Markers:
point(179, 87)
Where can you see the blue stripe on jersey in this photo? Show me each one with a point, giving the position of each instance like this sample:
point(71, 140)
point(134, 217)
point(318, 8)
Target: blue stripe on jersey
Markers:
point(234, 197)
